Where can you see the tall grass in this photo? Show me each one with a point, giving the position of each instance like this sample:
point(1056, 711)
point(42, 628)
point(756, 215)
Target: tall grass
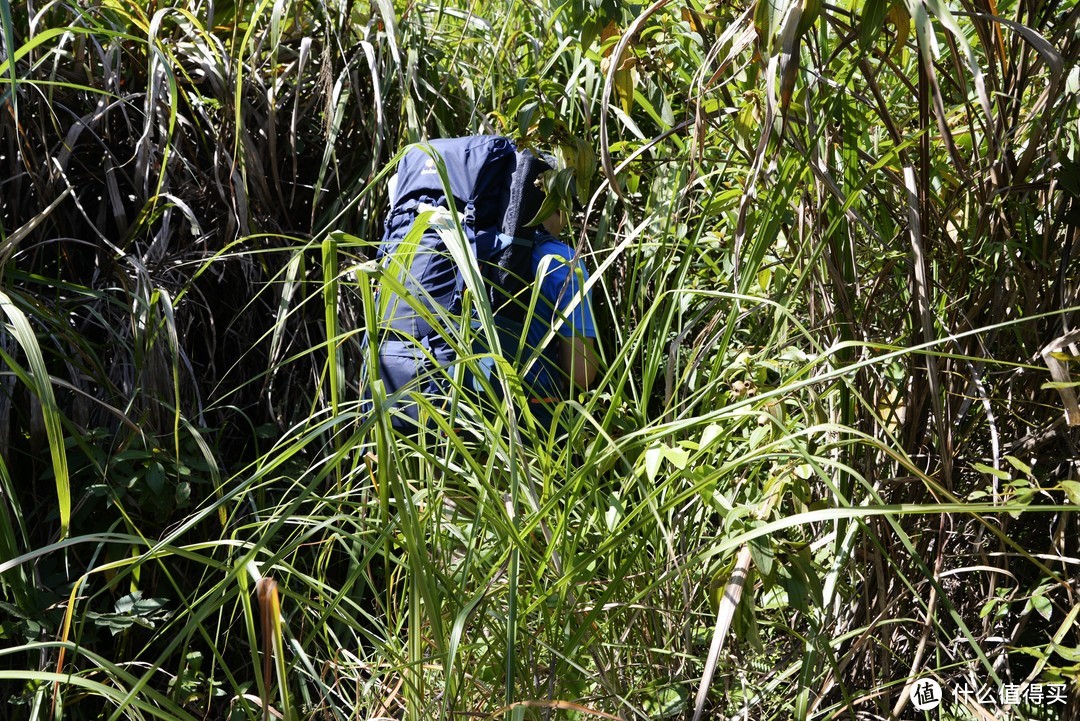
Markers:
point(832, 252)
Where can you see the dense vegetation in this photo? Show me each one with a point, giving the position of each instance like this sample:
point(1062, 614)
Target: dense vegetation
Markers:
point(835, 253)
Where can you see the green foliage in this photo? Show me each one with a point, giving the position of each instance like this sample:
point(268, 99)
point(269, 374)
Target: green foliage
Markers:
point(833, 254)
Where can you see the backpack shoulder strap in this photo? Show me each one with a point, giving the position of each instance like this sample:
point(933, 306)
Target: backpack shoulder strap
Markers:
point(509, 268)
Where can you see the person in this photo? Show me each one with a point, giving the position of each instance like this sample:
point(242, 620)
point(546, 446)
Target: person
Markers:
point(553, 365)
point(563, 281)
point(498, 190)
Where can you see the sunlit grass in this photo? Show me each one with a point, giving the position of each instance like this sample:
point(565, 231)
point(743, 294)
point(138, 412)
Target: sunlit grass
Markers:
point(820, 460)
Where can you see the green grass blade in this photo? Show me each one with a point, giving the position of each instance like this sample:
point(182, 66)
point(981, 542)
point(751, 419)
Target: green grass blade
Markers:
point(41, 386)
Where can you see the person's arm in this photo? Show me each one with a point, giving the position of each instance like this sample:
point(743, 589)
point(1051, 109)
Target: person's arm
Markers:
point(579, 360)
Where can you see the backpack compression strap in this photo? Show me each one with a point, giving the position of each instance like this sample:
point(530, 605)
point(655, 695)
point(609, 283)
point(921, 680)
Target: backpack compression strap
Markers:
point(525, 198)
point(510, 268)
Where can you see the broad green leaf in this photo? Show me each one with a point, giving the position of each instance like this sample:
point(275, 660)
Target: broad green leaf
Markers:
point(764, 556)
point(134, 603)
point(768, 17)
point(997, 473)
point(670, 701)
point(811, 9)
point(746, 125)
point(653, 457)
point(183, 494)
point(678, 456)
point(614, 514)
point(710, 434)
point(871, 21)
point(764, 277)
point(1019, 465)
point(988, 607)
point(1069, 654)
point(155, 478)
point(1042, 605)
point(1072, 491)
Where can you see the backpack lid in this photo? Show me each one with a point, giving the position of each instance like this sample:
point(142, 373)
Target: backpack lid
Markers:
point(478, 168)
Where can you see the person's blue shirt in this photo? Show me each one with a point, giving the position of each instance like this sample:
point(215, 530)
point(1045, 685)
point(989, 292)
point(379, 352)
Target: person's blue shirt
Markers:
point(562, 296)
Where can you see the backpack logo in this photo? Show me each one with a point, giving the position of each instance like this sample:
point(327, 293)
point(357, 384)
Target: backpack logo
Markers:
point(429, 167)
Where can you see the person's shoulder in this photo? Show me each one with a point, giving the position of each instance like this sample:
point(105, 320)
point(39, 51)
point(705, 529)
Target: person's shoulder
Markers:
point(547, 244)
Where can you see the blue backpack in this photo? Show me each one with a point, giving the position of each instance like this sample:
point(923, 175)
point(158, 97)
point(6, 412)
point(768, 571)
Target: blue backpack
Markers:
point(492, 187)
